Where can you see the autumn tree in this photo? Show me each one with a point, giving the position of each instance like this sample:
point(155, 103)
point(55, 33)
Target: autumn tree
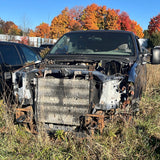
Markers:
point(137, 29)
point(75, 18)
point(7, 26)
point(112, 20)
point(125, 21)
point(76, 12)
point(43, 30)
point(74, 25)
point(14, 30)
point(154, 24)
point(31, 33)
point(98, 17)
point(93, 17)
point(127, 24)
point(89, 17)
point(153, 32)
point(101, 12)
point(60, 24)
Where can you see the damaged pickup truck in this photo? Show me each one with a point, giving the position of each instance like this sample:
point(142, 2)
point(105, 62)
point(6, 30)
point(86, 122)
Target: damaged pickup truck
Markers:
point(86, 79)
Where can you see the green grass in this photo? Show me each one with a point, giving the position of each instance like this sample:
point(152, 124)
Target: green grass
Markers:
point(139, 139)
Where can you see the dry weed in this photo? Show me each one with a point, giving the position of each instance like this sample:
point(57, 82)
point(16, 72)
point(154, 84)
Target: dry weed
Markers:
point(153, 77)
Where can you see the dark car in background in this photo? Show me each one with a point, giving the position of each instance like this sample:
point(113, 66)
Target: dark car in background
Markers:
point(12, 57)
point(36, 49)
point(46, 45)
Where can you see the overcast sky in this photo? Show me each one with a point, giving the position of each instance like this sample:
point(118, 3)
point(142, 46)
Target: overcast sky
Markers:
point(34, 12)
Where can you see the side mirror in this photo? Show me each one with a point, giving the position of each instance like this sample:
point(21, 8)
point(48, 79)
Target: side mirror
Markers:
point(155, 58)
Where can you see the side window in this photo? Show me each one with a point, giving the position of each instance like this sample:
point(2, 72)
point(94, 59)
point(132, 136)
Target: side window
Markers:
point(29, 54)
point(10, 55)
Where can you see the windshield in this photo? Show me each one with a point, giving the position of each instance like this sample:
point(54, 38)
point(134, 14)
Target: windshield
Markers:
point(109, 43)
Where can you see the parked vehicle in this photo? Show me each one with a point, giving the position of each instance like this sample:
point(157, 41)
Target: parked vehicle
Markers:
point(12, 57)
point(36, 49)
point(157, 47)
point(45, 45)
point(87, 78)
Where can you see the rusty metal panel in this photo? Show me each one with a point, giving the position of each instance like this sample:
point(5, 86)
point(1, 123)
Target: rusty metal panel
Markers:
point(62, 101)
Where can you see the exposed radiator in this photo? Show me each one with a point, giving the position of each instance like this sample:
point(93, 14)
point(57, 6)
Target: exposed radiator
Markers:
point(62, 101)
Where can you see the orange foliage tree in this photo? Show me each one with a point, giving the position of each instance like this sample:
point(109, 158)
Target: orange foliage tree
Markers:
point(14, 30)
point(130, 25)
point(93, 17)
point(137, 29)
point(7, 26)
point(89, 17)
point(59, 24)
point(32, 33)
point(75, 18)
point(154, 24)
point(101, 12)
point(112, 20)
point(43, 30)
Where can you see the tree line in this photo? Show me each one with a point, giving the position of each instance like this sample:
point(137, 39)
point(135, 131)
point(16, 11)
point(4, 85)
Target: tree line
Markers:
point(93, 17)
point(153, 32)
point(9, 27)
